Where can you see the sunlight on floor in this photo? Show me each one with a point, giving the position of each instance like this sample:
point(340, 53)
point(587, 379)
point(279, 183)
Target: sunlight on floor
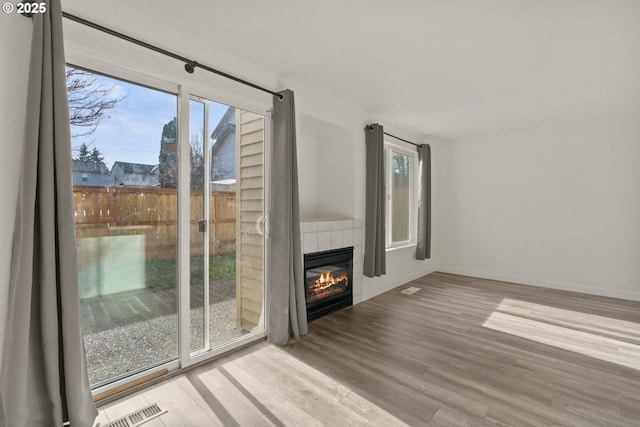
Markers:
point(245, 377)
point(608, 339)
point(267, 387)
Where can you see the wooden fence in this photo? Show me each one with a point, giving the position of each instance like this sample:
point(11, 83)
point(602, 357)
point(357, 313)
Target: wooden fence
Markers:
point(153, 212)
point(400, 213)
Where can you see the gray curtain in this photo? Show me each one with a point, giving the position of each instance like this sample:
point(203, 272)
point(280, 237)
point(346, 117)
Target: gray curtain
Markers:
point(374, 227)
point(423, 247)
point(287, 306)
point(44, 379)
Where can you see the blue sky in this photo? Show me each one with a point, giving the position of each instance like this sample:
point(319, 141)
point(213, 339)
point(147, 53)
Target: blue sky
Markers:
point(132, 130)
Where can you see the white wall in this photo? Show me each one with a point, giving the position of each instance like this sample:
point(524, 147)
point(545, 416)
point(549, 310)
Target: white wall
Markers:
point(326, 172)
point(15, 33)
point(556, 206)
point(308, 175)
point(336, 185)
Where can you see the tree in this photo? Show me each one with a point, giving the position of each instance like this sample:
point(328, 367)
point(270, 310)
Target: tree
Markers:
point(168, 158)
point(96, 155)
point(196, 160)
point(83, 152)
point(90, 99)
point(401, 165)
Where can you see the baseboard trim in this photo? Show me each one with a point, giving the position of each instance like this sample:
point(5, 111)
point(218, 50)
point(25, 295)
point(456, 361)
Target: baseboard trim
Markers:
point(398, 282)
point(611, 293)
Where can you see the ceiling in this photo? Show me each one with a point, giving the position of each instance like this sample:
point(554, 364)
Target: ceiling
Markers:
point(446, 68)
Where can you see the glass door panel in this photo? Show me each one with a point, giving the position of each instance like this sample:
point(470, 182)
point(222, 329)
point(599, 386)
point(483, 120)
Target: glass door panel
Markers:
point(125, 195)
point(234, 238)
point(198, 286)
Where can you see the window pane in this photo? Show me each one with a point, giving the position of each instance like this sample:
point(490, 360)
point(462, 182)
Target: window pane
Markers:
point(400, 194)
point(385, 200)
point(125, 194)
point(198, 224)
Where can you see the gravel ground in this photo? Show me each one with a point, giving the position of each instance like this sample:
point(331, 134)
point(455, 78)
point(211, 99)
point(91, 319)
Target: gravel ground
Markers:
point(134, 344)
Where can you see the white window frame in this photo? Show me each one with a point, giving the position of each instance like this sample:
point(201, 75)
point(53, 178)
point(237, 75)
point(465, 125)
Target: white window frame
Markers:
point(389, 148)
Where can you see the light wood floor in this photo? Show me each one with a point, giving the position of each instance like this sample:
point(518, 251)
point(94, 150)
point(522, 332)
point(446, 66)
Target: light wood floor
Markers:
point(459, 352)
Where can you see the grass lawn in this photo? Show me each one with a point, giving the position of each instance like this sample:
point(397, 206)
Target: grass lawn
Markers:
point(162, 274)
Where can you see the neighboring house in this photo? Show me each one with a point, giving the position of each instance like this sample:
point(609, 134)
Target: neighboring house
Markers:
point(223, 152)
point(90, 173)
point(124, 174)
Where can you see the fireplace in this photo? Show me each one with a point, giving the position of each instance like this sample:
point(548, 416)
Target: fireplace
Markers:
point(328, 281)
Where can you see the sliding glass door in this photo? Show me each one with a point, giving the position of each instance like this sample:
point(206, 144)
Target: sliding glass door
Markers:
point(226, 163)
point(169, 208)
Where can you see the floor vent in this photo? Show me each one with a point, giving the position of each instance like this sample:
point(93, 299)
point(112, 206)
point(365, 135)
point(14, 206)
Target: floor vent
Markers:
point(410, 291)
point(139, 417)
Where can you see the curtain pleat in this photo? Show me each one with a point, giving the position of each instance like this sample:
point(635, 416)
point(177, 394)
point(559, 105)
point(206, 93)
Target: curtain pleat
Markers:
point(287, 306)
point(374, 241)
point(423, 247)
point(44, 378)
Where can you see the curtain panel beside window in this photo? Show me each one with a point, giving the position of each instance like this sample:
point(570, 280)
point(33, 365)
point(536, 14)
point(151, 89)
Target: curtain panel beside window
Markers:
point(287, 305)
point(44, 378)
point(374, 242)
point(423, 243)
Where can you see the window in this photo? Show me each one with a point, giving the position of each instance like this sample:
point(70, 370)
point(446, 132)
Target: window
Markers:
point(399, 201)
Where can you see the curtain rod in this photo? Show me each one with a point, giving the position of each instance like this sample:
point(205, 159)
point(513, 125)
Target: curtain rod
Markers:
point(404, 140)
point(393, 136)
point(189, 66)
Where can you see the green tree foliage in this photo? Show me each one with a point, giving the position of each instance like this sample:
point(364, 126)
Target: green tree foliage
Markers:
point(83, 153)
point(96, 156)
point(168, 158)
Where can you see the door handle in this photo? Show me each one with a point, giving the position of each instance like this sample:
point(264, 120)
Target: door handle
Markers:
point(262, 225)
point(267, 225)
point(202, 225)
point(259, 224)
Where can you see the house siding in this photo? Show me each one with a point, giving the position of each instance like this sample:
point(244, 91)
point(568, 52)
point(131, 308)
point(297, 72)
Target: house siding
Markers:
point(90, 179)
point(223, 160)
point(90, 173)
point(223, 153)
point(250, 208)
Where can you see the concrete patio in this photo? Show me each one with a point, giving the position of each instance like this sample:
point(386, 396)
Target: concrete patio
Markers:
point(135, 329)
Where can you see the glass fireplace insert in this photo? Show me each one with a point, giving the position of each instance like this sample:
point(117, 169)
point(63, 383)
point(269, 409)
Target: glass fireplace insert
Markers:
point(328, 281)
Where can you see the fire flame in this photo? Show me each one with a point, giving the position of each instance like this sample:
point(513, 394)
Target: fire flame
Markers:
point(325, 285)
point(326, 278)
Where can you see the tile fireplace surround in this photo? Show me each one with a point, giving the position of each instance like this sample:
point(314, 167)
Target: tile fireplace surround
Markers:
point(319, 234)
